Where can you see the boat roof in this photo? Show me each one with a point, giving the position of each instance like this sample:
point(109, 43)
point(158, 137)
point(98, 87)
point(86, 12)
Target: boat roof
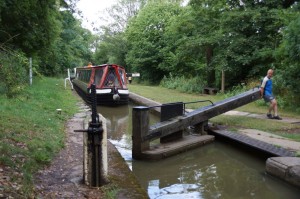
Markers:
point(102, 65)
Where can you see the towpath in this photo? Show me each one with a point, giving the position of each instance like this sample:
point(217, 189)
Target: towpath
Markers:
point(269, 137)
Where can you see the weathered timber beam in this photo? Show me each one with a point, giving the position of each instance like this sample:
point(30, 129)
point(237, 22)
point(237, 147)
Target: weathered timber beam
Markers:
point(145, 102)
point(197, 116)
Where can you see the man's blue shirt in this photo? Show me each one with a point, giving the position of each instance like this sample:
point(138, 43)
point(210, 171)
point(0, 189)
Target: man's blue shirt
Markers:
point(268, 86)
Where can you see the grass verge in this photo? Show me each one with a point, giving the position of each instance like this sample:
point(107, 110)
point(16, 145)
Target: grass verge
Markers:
point(291, 131)
point(32, 132)
point(110, 191)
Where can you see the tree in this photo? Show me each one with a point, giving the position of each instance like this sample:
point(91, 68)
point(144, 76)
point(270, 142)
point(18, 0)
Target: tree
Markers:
point(239, 36)
point(35, 24)
point(50, 35)
point(72, 49)
point(146, 36)
point(288, 58)
point(111, 46)
point(201, 37)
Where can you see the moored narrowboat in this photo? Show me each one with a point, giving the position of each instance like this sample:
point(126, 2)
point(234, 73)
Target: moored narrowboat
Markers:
point(110, 81)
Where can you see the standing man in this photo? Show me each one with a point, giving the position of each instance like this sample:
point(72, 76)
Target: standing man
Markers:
point(267, 94)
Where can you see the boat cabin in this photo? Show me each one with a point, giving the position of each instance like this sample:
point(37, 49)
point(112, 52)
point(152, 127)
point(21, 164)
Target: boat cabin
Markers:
point(109, 79)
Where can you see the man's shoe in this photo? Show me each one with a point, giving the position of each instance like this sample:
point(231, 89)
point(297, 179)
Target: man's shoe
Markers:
point(269, 115)
point(277, 117)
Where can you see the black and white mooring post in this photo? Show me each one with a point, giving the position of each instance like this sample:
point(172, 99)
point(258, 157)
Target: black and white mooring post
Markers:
point(94, 147)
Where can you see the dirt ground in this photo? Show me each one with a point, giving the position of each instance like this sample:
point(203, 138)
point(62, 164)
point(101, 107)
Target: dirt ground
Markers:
point(64, 177)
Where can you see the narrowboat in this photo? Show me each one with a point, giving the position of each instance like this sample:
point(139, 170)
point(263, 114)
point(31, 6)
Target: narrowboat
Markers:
point(110, 81)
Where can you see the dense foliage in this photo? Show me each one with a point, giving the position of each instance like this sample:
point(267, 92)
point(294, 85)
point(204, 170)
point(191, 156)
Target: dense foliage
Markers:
point(112, 45)
point(12, 74)
point(148, 46)
point(170, 41)
point(44, 30)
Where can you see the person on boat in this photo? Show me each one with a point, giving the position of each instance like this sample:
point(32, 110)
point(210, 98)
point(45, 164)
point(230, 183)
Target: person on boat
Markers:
point(90, 64)
point(110, 79)
point(267, 94)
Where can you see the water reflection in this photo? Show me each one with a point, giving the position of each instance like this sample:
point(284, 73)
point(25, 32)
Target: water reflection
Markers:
point(213, 171)
point(216, 170)
point(116, 120)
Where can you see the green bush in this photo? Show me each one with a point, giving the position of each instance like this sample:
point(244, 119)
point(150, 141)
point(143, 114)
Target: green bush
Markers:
point(12, 73)
point(235, 90)
point(188, 85)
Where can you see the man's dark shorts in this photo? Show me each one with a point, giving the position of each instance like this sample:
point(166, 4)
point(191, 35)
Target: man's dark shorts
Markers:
point(268, 98)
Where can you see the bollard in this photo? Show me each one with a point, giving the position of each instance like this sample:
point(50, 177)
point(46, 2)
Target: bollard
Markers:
point(140, 128)
point(94, 161)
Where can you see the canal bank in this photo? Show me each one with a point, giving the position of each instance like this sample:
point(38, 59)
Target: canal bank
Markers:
point(63, 178)
point(265, 143)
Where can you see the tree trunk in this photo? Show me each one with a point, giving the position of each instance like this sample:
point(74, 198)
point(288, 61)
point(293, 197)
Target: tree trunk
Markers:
point(211, 78)
point(223, 82)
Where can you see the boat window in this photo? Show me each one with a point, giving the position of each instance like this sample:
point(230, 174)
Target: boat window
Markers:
point(85, 75)
point(121, 72)
point(89, 72)
point(98, 76)
point(111, 79)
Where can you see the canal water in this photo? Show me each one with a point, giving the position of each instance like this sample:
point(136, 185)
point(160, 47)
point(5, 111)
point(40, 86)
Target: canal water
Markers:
point(216, 170)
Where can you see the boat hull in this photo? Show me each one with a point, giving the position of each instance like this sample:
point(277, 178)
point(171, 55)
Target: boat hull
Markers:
point(102, 98)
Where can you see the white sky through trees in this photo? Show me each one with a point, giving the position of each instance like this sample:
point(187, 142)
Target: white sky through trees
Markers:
point(92, 10)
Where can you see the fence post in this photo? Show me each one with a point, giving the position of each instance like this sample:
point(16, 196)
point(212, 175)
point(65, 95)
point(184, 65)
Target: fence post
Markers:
point(140, 128)
point(30, 71)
